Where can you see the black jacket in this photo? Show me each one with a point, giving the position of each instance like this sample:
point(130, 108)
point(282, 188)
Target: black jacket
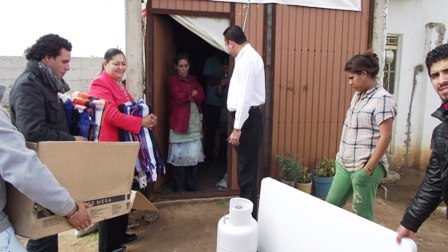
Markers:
point(434, 187)
point(35, 108)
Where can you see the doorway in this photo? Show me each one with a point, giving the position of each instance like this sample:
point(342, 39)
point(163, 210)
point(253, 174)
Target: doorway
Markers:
point(170, 38)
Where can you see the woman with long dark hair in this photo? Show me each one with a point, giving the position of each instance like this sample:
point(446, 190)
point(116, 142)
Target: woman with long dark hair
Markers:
point(110, 87)
point(361, 162)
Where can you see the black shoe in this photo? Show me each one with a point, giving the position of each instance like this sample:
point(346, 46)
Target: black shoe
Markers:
point(191, 189)
point(129, 237)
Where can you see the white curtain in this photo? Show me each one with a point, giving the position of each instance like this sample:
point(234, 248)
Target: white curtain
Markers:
point(353, 5)
point(209, 29)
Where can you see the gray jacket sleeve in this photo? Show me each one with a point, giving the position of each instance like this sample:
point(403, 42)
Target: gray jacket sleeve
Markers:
point(21, 167)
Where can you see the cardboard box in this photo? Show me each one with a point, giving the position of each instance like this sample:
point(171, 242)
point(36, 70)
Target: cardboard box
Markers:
point(140, 202)
point(99, 173)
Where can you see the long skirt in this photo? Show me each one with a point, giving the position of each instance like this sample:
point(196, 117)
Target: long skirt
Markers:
point(185, 153)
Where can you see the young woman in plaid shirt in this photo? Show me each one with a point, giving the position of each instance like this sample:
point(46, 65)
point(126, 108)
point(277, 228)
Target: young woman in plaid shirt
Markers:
point(361, 162)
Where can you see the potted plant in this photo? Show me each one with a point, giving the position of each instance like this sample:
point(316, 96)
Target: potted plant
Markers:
point(323, 177)
point(289, 169)
point(303, 180)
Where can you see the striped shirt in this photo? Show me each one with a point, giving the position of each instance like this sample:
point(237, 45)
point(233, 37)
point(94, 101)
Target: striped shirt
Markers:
point(361, 133)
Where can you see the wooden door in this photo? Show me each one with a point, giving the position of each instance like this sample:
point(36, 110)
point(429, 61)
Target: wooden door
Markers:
point(161, 49)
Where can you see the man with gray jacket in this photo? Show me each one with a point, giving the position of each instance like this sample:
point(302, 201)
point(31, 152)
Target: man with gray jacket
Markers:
point(21, 167)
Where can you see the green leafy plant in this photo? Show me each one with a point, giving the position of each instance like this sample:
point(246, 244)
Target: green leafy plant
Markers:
point(304, 175)
point(326, 168)
point(289, 167)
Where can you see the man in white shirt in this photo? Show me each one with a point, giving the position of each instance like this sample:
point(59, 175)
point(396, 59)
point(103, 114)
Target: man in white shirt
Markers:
point(246, 94)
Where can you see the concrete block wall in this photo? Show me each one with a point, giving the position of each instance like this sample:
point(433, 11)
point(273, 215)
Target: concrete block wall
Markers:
point(82, 71)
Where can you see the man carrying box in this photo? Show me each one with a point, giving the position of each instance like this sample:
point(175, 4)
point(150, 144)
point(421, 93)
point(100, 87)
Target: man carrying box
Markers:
point(21, 167)
point(36, 110)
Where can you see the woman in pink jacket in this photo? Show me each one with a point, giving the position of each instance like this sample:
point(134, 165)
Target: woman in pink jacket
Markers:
point(109, 86)
point(185, 120)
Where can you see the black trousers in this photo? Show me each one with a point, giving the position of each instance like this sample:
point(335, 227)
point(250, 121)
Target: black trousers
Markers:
point(184, 175)
point(111, 232)
point(212, 116)
point(247, 156)
point(45, 244)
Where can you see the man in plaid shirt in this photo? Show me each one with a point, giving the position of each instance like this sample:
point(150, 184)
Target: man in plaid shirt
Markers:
point(367, 132)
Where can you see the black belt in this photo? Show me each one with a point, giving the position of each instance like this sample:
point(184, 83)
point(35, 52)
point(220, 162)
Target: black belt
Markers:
point(250, 108)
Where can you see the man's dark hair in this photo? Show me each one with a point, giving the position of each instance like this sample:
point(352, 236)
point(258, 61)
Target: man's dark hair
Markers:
point(236, 34)
point(47, 45)
point(363, 62)
point(437, 54)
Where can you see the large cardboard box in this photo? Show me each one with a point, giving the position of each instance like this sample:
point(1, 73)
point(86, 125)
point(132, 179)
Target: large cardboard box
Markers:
point(99, 173)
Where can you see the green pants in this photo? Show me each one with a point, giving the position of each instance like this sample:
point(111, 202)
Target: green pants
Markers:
point(362, 186)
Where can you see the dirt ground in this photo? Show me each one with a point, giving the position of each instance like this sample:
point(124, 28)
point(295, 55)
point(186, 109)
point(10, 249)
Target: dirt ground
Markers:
point(191, 225)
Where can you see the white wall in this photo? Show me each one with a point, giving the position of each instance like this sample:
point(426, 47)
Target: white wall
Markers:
point(409, 18)
point(82, 72)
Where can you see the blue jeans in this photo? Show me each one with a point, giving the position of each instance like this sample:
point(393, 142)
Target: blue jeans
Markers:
point(9, 241)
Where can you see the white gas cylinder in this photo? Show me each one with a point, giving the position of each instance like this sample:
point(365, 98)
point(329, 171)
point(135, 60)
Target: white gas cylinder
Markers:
point(237, 231)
